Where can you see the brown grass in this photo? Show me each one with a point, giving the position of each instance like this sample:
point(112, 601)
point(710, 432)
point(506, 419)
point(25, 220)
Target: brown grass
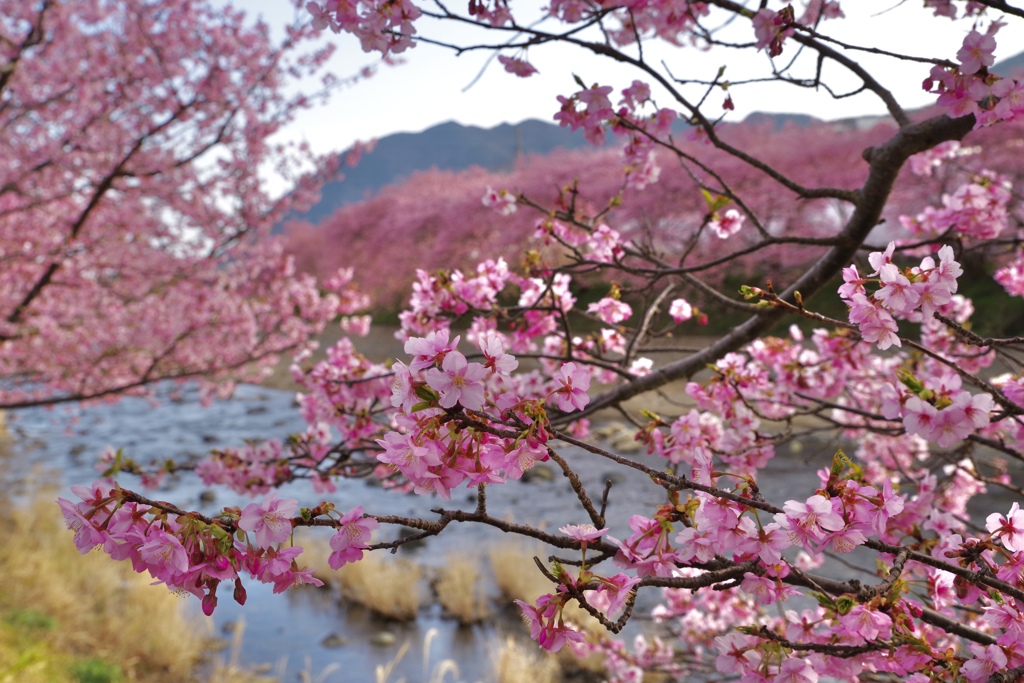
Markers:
point(431, 673)
point(391, 587)
point(88, 607)
point(460, 590)
point(231, 670)
point(518, 578)
point(515, 572)
point(315, 551)
point(518, 662)
point(65, 617)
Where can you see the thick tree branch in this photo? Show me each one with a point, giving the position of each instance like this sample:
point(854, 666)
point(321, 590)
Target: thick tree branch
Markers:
point(885, 162)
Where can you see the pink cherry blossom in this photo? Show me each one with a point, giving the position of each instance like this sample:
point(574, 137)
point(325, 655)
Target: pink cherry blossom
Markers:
point(680, 310)
point(351, 539)
point(502, 201)
point(584, 533)
point(163, 554)
point(458, 381)
point(896, 293)
point(866, 624)
point(572, 382)
point(613, 592)
point(610, 311)
point(810, 520)
point(1009, 529)
point(988, 660)
point(496, 360)
point(270, 520)
point(727, 224)
point(519, 67)
point(796, 670)
point(546, 624)
point(977, 52)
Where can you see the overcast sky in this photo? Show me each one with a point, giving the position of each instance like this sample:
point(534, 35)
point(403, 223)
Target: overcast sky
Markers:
point(432, 86)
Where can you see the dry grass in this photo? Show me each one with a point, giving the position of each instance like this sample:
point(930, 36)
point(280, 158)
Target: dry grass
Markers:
point(460, 590)
point(315, 551)
point(69, 618)
point(515, 572)
point(232, 671)
point(89, 607)
point(518, 662)
point(390, 586)
point(96, 609)
point(518, 578)
point(430, 674)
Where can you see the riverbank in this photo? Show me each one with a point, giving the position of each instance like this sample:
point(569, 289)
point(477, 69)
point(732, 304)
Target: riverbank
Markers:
point(69, 618)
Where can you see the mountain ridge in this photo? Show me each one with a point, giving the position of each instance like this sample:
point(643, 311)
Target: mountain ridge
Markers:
point(452, 146)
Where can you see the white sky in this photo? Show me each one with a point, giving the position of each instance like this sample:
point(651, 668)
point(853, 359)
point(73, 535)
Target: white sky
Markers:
point(429, 88)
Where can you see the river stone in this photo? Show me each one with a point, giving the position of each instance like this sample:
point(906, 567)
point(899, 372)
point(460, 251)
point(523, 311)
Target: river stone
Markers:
point(383, 639)
point(615, 478)
point(334, 640)
point(539, 473)
point(625, 442)
point(406, 532)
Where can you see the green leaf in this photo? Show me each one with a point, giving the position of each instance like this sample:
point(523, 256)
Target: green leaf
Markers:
point(715, 202)
point(844, 604)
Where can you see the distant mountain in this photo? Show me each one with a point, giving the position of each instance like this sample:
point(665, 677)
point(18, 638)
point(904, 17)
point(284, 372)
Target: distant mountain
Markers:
point(1011, 66)
point(453, 147)
point(778, 121)
point(449, 146)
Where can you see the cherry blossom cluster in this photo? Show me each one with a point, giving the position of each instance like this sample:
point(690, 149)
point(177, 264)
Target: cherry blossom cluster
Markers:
point(969, 89)
point(125, 262)
point(545, 617)
point(913, 293)
point(195, 554)
point(502, 201)
point(977, 210)
point(947, 8)
point(925, 163)
point(641, 131)
point(504, 431)
point(938, 409)
point(517, 66)
point(726, 224)
point(772, 28)
point(386, 27)
point(1011, 276)
point(843, 514)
